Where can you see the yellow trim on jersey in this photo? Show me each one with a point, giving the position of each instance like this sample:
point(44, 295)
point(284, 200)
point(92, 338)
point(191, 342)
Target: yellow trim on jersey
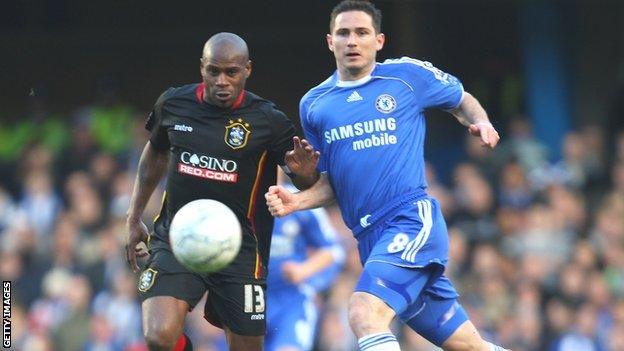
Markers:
point(258, 264)
point(252, 199)
point(254, 189)
point(162, 204)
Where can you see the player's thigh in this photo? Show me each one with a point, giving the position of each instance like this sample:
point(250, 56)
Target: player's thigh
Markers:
point(163, 317)
point(441, 320)
point(397, 287)
point(236, 306)
point(466, 338)
point(291, 322)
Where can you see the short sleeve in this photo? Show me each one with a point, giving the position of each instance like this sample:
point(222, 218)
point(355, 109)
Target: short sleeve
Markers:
point(158, 132)
point(442, 90)
point(318, 230)
point(283, 133)
point(435, 88)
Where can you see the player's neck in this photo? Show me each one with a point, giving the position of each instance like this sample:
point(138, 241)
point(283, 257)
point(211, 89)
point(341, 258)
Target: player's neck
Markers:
point(345, 74)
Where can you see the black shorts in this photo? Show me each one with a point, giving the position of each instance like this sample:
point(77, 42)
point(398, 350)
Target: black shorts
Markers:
point(237, 303)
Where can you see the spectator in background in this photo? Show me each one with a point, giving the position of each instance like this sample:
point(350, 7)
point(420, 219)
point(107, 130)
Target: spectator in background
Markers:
point(583, 335)
point(101, 336)
point(306, 257)
point(617, 179)
point(84, 204)
point(543, 239)
point(569, 204)
point(521, 145)
point(105, 261)
point(103, 168)
point(66, 244)
point(570, 171)
point(475, 203)
point(121, 310)
point(51, 308)
point(73, 331)
point(78, 154)
point(40, 204)
point(515, 191)
point(38, 200)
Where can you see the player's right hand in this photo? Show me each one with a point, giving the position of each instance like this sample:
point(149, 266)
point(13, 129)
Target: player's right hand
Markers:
point(486, 132)
point(302, 159)
point(137, 234)
point(280, 201)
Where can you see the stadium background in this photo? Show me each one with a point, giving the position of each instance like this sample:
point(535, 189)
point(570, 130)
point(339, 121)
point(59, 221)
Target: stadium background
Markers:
point(537, 226)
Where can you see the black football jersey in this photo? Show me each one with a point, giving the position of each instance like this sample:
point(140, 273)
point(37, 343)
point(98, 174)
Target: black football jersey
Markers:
point(229, 155)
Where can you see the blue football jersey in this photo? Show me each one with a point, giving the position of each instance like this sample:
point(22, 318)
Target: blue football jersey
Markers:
point(371, 133)
point(293, 236)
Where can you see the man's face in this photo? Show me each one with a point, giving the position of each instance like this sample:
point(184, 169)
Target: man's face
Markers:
point(354, 41)
point(224, 78)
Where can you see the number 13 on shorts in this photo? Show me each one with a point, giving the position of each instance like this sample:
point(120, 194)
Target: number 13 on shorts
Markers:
point(254, 299)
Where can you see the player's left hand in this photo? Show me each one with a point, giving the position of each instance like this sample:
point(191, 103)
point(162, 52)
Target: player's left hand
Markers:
point(485, 130)
point(302, 159)
point(294, 272)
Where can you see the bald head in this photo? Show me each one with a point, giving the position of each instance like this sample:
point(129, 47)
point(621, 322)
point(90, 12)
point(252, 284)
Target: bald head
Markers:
point(226, 46)
point(224, 67)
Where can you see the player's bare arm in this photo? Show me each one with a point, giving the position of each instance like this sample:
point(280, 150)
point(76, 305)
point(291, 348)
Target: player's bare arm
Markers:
point(152, 167)
point(302, 161)
point(297, 272)
point(282, 202)
point(471, 114)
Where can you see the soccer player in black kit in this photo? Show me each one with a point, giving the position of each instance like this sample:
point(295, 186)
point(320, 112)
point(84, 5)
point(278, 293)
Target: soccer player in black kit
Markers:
point(214, 140)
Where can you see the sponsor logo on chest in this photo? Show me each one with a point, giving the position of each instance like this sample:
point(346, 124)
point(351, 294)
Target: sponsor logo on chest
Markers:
point(208, 167)
point(367, 134)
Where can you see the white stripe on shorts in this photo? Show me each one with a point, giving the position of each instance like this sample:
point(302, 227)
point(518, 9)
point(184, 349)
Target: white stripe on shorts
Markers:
point(424, 212)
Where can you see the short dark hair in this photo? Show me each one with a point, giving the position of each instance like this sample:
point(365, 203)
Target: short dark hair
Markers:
point(356, 5)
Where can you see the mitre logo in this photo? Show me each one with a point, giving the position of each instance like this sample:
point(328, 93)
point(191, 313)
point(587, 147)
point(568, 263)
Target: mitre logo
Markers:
point(183, 128)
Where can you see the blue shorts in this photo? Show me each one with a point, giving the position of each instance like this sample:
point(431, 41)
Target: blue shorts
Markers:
point(404, 257)
point(415, 235)
point(291, 319)
point(423, 298)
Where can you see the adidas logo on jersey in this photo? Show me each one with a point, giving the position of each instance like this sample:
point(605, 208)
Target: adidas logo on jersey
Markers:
point(355, 97)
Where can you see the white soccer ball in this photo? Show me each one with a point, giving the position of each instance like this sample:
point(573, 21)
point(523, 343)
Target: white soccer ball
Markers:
point(205, 235)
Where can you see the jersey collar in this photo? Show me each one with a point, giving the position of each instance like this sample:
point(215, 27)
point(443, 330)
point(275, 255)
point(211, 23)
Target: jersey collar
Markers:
point(200, 91)
point(352, 83)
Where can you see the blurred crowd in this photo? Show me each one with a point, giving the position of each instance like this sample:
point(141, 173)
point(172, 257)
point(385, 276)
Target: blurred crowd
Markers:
point(536, 244)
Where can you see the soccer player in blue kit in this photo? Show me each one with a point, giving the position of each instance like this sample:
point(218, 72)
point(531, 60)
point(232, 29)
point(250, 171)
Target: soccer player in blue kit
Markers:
point(367, 122)
point(306, 257)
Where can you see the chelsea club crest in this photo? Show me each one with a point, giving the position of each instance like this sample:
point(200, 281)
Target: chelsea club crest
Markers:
point(385, 103)
point(237, 133)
